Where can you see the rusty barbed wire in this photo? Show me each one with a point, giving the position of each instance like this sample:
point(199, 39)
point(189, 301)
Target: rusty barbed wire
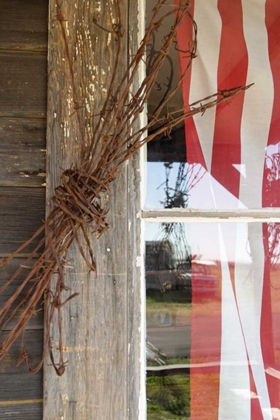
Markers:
point(78, 200)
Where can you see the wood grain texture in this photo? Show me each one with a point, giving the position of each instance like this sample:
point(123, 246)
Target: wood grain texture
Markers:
point(36, 322)
point(23, 82)
point(22, 152)
point(95, 324)
point(23, 24)
point(33, 344)
point(21, 386)
point(29, 410)
point(21, 213)
point(20, 392)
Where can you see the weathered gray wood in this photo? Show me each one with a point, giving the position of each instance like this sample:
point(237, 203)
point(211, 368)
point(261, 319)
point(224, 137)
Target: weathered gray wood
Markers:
point(21, 213)
point(21, 386)
point(21, 392)
point(33, 340)
point(23, 84)
point(36, 322)
point(22, 152)
point(23, 24)
point(95, 324)
point(24, 410)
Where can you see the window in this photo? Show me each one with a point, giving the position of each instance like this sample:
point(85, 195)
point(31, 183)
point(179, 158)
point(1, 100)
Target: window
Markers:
point(212, 222)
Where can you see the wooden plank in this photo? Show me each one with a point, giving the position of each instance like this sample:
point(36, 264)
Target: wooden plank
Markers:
point(21, 392)
point(95, 383)
point(33, 344)
point(36, 322)
point(23, 84)
point(19, 386)
point(25, 410)
point(23, 24)
point(21, 213)
point(22, 152)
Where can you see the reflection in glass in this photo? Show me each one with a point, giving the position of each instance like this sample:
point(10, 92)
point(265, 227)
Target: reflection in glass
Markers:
point(213, 320)
point(237, 143)
point(173, 182)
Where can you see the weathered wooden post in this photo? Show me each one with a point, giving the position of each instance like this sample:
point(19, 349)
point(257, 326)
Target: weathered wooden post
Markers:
point(101, 328)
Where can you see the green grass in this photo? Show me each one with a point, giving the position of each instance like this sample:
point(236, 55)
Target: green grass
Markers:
point(178, 297)
point(168, 397)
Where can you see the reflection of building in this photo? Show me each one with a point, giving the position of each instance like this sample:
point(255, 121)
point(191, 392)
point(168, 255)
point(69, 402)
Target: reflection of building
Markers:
point(164, 273)
point(160, 265)
point(198, 274)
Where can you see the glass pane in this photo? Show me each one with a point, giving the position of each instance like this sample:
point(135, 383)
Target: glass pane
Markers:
point(213, 321)
point(229, 157)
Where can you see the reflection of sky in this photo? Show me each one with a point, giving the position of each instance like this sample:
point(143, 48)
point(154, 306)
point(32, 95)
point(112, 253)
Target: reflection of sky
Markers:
point(206, 194)
point(203, 239)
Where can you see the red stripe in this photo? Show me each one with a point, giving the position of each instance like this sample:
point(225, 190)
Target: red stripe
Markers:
point(271, 197)
point(232, 71)
point(184, 36)
point(205, 335)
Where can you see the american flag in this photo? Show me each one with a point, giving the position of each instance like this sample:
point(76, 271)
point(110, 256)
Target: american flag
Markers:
point(238, 144)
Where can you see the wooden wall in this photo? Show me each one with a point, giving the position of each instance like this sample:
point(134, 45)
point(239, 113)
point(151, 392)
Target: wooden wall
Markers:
point(23, 85)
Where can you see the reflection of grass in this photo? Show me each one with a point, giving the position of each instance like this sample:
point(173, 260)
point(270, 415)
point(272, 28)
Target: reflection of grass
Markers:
point(174, 297)
point(168, 397)
point(174, 300)
point(169, 301)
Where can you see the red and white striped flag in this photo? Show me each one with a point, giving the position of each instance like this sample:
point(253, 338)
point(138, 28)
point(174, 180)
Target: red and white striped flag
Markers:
point(238, 143)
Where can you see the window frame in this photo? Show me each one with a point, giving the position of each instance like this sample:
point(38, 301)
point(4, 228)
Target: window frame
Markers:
point(190, 216)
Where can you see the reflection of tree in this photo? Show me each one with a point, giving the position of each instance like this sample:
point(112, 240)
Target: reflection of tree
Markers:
point(272, 199)
point(273, 244)
point(187, 178)
point(170, 248)
point(272, 180)
point(177, 195)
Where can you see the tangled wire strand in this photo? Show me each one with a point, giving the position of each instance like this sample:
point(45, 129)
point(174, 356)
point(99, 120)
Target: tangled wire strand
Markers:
point(77, 202)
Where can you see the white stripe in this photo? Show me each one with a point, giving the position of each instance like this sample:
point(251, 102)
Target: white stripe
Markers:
point(249, 290)
point(231, 406)
point(258, 103)
point(204, 71)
